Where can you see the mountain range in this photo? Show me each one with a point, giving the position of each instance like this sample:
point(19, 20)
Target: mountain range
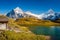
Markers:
point(19, 13)
point(51, 15)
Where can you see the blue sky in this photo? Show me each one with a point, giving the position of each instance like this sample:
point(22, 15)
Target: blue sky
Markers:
point(35, 6)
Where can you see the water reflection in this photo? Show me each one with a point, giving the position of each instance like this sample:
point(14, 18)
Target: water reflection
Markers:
point(53, 31)
point(57, 33)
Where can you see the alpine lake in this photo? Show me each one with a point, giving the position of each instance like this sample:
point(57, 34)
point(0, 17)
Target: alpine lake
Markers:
point(52, 31)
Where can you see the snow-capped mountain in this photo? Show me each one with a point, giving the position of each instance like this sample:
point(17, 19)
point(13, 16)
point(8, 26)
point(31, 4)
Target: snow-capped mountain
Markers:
point(50, 15)
point(32, 14)
point(18, 13)
point(18, 10)
point(15, 13)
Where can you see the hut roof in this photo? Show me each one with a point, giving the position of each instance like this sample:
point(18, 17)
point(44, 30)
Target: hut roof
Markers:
point(3, 19)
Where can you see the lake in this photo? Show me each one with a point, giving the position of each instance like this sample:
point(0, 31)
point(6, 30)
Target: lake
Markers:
point(53, 31)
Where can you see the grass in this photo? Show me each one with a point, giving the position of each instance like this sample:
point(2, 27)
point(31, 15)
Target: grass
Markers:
point(35, 22)
point(11, 35)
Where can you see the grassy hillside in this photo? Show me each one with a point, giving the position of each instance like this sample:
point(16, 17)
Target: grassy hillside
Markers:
point(12, 25)
point(30, 25)
point(25, 33)
point(26, 28)
point(11, 35)
point(35, 22)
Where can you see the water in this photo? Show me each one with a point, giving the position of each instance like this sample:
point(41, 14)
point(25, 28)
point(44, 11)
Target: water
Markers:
point(53, 31)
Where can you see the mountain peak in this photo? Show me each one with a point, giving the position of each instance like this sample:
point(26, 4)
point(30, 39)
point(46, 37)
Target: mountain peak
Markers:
point(18, 10)
point(50, 11)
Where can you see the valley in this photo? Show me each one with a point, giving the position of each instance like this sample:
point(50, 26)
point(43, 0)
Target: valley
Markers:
point(29, 19)
point(28, 26)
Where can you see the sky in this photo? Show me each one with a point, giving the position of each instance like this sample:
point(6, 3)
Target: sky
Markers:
point(35, 6)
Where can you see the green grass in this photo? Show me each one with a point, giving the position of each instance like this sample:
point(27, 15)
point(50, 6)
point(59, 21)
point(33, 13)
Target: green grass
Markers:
point(35, 22)
point(11, 35)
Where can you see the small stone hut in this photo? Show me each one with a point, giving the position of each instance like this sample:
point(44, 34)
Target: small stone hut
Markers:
point(3, 22)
